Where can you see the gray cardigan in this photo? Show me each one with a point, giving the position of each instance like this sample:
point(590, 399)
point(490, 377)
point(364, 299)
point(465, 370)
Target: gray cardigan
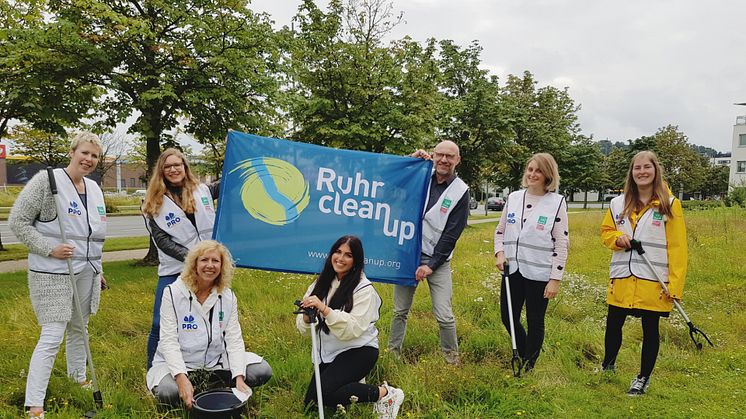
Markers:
point(51, 295)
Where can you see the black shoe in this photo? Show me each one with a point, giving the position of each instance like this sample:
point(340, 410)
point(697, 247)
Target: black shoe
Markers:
point(638, 386)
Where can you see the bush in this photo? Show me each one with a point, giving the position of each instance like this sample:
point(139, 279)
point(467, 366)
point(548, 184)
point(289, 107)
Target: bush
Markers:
point(736, 197)
point(701, 205)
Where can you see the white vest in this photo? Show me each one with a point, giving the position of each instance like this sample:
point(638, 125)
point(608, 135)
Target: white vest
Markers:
point(330, 346)
point(173, 220)
point(651, 231)
point(85, 228)
point(201, 338)
point(435, 219)
point(528, 244)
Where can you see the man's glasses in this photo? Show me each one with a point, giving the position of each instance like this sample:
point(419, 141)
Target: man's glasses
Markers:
point(447, 156)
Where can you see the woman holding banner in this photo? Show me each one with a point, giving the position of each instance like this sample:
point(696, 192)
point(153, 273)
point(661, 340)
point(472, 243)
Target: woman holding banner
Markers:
point(533, 238)
point(35, 221)
point(200, 330)
point(348, 308)
point(179, 213)
point(648, 213)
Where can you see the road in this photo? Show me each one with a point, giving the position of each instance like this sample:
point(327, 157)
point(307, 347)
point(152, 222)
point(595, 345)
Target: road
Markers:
point(133, 225)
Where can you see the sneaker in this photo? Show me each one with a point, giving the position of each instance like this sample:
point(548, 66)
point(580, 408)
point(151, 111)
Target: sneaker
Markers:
point(452, 358)
point(388, 406)
point(86, 384)
point(638, 386)
point(605, 369)
point(35, 415)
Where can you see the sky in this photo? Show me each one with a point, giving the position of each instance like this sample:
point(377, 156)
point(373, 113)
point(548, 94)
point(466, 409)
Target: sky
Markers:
point(632, 65)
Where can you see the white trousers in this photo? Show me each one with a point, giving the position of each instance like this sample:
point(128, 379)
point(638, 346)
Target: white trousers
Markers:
point(42, 360)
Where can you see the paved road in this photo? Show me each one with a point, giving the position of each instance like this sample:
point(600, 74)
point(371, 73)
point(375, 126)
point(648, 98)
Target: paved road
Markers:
point(126, 226)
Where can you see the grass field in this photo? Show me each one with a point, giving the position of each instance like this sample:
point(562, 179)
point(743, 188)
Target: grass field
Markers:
point(685, 383)
point(19, 251)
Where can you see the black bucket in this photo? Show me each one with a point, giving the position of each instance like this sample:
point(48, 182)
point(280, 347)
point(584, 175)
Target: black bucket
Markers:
point(214, 404)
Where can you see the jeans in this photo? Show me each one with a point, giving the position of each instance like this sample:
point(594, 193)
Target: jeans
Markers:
point(155, 328)
point(45, 352)
point(441, 289)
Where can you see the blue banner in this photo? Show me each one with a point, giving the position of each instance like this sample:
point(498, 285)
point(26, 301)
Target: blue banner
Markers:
point(283, 204)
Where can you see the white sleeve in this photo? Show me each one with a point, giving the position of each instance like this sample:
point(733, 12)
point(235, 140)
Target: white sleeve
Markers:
point(169, 338)
point(234, 344)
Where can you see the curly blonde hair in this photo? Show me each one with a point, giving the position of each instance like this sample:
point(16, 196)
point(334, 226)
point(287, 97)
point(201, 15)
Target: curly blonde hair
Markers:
point(157, 186)
point(189, 275)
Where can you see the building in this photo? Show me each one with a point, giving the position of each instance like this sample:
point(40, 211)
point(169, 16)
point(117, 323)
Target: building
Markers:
point(720, 161)
point(738, 153)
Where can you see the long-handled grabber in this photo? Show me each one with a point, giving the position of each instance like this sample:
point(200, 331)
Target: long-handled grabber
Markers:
point(516, 363)
point(313, 318)
point(693, 330)
point(76, 298)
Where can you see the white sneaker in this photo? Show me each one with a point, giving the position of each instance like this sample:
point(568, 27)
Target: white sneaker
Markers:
point(388, 406)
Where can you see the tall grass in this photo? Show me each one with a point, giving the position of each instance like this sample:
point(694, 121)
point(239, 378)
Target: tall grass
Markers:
point(686, 383)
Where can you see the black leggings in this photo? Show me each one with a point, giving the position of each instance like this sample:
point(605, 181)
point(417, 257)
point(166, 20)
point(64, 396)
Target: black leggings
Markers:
point(532, 293)
point(340, 378)
point(650, 338)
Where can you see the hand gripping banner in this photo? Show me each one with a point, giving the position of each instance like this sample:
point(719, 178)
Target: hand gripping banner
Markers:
point(283, 204)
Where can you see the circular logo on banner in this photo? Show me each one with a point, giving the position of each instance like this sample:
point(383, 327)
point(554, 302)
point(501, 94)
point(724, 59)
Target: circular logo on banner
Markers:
point(273, 191)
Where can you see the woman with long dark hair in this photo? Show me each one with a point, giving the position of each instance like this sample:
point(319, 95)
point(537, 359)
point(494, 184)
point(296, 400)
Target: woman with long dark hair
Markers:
point(348, 308)
point(646, 212)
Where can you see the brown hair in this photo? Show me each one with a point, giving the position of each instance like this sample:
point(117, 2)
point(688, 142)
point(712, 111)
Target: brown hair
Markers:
point(548, 167)
point(660, 187)
point(157, 186)
point(189, 273)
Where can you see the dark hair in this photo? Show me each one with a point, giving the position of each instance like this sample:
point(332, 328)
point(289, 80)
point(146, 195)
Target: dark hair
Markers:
point(342, 298)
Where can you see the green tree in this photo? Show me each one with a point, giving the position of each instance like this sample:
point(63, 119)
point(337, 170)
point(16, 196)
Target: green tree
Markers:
point(47, 148)
point(350, 90)
point(685, 169)
point(540, 120)
point(716, 181)
point(470, 112)
point(582, 168)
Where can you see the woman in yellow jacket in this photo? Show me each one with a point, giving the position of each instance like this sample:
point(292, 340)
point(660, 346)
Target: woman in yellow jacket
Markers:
point(647, 212)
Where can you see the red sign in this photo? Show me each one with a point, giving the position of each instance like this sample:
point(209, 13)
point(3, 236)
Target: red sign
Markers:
point(2, 151)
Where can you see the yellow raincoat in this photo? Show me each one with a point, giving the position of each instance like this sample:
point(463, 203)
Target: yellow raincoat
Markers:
point(635, 293)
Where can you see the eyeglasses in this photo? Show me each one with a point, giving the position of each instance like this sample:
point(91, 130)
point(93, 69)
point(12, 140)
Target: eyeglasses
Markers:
point(175, 166)
point(449, 157)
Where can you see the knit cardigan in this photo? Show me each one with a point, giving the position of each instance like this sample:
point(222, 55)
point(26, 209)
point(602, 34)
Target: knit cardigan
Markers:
point(51, 295)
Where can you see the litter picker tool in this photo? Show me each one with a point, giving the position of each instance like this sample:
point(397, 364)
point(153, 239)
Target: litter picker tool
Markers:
point(516, 363)
point(313, 318)
point(76, 298)
point(693, 330)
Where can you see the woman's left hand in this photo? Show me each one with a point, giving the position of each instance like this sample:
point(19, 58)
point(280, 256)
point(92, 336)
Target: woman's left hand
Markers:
point(313, 301)
point(242, 386)
point(552, 288)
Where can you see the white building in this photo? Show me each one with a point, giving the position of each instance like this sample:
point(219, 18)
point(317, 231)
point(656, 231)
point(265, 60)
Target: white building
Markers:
point(720, 161)
point(738, 155)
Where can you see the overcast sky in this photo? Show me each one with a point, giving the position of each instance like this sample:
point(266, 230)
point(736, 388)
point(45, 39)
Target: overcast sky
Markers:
point(632, 65)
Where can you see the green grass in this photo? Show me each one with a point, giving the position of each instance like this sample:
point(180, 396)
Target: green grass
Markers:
point(686, 383)
point(19, 251)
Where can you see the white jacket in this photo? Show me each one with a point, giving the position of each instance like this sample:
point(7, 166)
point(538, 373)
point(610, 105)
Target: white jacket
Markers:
point(85, 228)
point(651, 231)
point(347, 330)
point(198, 336)
point(173, 220)
point(436, 218)
point(528, 241)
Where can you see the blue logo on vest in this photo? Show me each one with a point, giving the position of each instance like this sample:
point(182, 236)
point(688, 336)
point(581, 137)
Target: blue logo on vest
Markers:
point(511, 218)
point(172, 219)
point(73, 209)
point(189, 323)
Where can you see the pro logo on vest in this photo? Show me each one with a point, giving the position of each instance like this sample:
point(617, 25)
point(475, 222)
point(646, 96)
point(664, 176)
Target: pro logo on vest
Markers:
point(189, 323)
point(511, 218)
point(73, 209)
point(172, 219)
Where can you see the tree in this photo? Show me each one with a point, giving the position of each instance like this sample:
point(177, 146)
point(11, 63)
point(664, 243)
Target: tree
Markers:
point(582, 167)
point(540, 120)
point(684, 168)
point(207, 64)
point(115, 146)
point(716, 182)
point(350, 90)
point(49, 149)
point(470, 113)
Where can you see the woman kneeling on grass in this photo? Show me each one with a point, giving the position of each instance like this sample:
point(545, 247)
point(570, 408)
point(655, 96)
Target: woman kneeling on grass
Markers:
point(648, 213)
point(348, 308)
point(200, 330)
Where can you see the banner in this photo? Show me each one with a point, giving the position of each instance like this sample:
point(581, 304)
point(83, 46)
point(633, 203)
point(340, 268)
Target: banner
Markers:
point(283, 204)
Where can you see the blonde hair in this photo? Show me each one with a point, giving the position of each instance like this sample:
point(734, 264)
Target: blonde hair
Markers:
point(189, 274)
point(660, 187)
point(157, 186)
point(86, 137)
point(548, 167)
